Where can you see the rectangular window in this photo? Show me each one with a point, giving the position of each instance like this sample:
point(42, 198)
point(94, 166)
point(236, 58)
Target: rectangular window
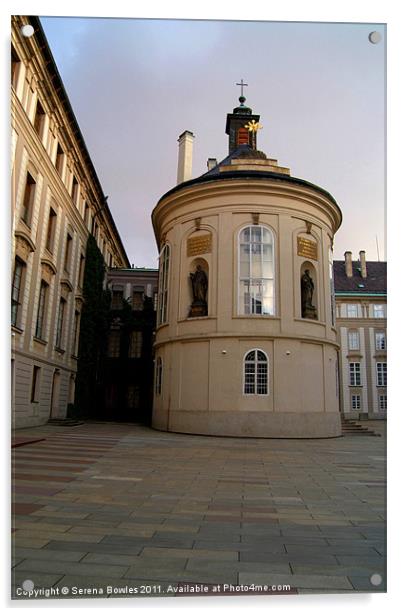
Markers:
point(60, 323)
point(380, 341)
point(15, 67)
point(114, 343)
point(353, 340)
point(86, 214)
point(381, 374)
point(164, 266)
point(16, 290)
point(383, 402)
point(355, 374)
point(155, 300)
point(40, 319)
point(356, 402)
point(378, 311)
point(117, 299)
point(256, 271)
point(68, 252)
point(133, 397)
point(81, 271)
point(28, 200)
point(135, 346)
point(39, 120)
point(75, 190)
point(137, 301)
point(50, 234)
point(76, 331)
point(35, 384)
point(60, 159)
point(352, 311)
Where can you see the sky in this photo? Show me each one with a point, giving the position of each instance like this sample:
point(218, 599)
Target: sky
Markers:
point(136, 84)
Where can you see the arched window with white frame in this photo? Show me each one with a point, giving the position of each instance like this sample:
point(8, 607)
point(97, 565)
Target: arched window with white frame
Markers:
point(256, 287)
point(164, 266)
point(256, 373)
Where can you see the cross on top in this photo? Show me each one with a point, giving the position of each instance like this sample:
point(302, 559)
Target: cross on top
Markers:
point(242, 84)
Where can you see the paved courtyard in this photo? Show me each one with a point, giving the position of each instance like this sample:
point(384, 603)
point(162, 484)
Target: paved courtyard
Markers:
point(110, 508)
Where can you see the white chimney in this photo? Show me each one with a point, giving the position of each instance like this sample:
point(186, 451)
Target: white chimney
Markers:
point(212, 162)
point(348, 263)
point(362, 259)
point(185, 145)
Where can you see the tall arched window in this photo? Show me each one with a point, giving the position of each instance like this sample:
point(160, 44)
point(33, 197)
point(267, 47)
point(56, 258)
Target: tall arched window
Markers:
point(256, 373)
point(256, 271)
point(158, 376)
point(164, 266)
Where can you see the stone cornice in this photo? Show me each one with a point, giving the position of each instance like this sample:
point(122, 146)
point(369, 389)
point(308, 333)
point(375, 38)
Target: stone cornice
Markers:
point(234, 192)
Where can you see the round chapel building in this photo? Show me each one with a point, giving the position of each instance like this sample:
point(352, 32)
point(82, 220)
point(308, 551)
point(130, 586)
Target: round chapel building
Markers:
point(246, 343)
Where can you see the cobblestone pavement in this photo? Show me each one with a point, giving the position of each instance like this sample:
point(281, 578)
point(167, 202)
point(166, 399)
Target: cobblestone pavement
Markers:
point(112, 506)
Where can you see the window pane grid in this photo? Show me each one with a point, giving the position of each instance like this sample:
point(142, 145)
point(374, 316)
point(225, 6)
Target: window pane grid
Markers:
point(41, 310)
point(163, 285)
point(355, 374)
point(256, 271)
point(381, 369)
point(15, 291)
point(256, 373)
point(380, 341)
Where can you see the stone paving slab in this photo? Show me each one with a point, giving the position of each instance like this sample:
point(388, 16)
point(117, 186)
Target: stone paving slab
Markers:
point(107, 503)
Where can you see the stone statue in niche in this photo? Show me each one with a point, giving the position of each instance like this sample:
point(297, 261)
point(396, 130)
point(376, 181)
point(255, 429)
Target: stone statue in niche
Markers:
point(307, 289)
point(199, 283)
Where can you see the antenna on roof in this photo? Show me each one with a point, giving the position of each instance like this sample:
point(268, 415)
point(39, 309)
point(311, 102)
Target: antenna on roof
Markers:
point(377, 246)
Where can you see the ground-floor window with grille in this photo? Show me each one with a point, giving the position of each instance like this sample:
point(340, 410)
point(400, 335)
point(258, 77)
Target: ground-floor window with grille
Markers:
point(256, 373)
point(383, 402)
point(356, 402)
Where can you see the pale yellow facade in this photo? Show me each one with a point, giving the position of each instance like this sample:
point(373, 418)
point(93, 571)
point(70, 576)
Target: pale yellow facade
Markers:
point(201, 361)
point(57, 201)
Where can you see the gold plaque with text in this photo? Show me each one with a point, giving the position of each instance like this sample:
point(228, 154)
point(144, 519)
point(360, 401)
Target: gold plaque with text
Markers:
point(199, 245)
point(306, 248)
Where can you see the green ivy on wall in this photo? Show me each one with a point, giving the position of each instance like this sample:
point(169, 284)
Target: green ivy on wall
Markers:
point(93, 331)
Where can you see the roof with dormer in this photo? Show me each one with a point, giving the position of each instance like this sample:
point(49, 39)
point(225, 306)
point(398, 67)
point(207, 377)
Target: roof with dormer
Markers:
point(374, 283)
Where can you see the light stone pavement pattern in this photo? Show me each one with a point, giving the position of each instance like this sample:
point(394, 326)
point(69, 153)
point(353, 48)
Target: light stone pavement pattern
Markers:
point(111, 504)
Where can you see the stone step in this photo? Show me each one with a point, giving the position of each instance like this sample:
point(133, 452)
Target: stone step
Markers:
point(350, 426)
point(65, 422)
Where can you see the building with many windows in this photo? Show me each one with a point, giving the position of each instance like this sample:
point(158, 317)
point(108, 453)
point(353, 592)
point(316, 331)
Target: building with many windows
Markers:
point(57, 202)
point(361, 303)
point(246, 339)
point(125, 391)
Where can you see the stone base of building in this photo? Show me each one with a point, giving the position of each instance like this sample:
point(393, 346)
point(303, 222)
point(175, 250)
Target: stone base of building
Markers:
point(252, 424)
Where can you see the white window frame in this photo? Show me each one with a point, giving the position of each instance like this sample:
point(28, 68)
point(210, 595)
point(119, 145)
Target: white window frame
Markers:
point(380, 341)
point(356, 402)
point(135, 344)
point(378, 311)
point(383, 402)
point(164, 273)
point(381, 374)
point(355, 376)
point(256, 363)
point(353, 333)
point(255, 280)
point(352, 308)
